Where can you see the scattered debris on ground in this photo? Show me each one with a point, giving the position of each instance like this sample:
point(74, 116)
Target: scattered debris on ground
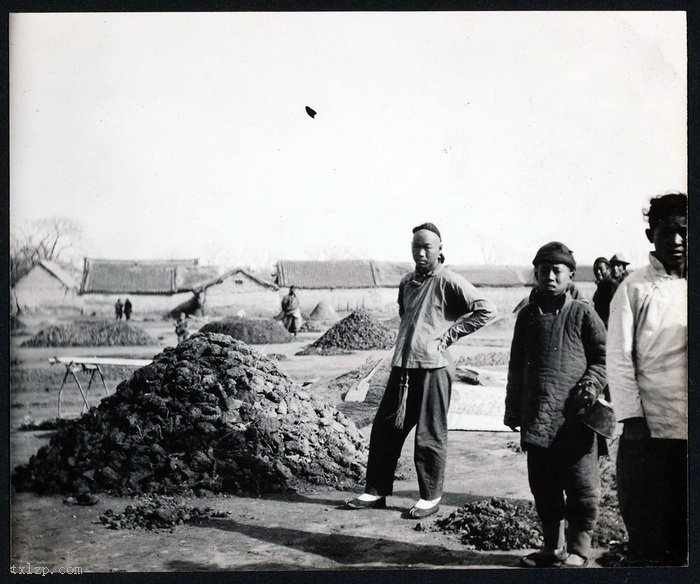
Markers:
point(276, 356)
point(210, 415)
point(466, 375)
point(514, 446)
point(105, 333)
point(157, 513)
point(30, 425)
point(503, 524)
point(357, 331)
point(253, 331)
point(324, 312)
point(495, 524)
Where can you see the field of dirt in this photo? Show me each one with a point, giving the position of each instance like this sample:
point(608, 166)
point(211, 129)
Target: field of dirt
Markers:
point(305, 530)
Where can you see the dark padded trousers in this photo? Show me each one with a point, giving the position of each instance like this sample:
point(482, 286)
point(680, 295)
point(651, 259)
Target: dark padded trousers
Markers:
point(652, 491)
point(553, 472)
point(429, 392)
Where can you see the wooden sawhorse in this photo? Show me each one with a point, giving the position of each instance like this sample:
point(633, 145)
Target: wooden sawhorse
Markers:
point(91, 364)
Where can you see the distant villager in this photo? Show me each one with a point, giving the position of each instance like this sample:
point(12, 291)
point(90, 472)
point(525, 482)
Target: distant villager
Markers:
point(618, 265)
point(118, 309)
point(182, 328)
point(606, 286)
point(291, 311)
point(127, 309)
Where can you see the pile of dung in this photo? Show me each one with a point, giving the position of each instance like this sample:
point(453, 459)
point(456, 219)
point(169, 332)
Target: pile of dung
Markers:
point(96, 333)
point(502, 524)
point(324, 312)
point(156, 513)
point(358, 331)
point(210, 415)
point(495, 524)
point(254, 331)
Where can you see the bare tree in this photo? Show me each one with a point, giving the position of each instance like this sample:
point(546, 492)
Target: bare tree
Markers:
point(57, 239)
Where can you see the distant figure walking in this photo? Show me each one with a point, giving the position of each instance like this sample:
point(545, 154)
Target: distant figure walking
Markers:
point(181, 328)
point(118, 308)
point(127, 309)
point(291, 311)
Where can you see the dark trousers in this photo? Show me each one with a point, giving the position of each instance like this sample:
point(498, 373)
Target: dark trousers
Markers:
point(653, 495)
point(554, 472)
point(429, 392)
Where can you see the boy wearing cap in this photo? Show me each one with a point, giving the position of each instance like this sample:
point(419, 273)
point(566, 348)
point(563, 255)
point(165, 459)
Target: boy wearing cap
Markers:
point(557, 367)
point(437, 308)
point(648, 375)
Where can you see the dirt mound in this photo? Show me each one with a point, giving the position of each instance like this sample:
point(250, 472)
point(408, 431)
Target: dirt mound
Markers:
point(324, 311)
point(101, 333)
point(357, 331)
point(210, 415)
point(254, 331)
point(156, 513)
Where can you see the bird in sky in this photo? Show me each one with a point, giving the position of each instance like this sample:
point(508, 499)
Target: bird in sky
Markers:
point(311, 112)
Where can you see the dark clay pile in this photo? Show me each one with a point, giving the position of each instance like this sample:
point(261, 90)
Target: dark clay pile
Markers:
point(357, 331)
point(105, 333)
point(210, 415)
point(254, 331)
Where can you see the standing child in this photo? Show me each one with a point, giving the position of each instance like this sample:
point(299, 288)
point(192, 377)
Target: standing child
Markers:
point(557, 367)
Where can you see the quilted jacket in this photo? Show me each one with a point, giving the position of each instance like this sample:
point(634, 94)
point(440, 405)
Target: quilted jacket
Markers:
point(549, 354)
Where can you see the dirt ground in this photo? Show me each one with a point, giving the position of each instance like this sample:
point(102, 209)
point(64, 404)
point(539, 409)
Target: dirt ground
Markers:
point(307, 530)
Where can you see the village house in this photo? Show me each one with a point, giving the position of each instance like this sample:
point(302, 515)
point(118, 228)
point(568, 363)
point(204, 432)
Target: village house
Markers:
point(154, 287)
point(239, 290)
point(46, 288)
point(373, 285)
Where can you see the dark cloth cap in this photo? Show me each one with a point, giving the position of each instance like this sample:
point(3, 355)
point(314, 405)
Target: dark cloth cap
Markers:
point(429, 227)
point(601, 259)
point(555, 252)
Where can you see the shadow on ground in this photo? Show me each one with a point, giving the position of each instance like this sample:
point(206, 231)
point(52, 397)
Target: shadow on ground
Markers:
point(361, 550)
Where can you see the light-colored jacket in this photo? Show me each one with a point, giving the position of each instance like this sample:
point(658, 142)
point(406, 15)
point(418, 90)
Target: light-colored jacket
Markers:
point(438, 309)
point(647, 350)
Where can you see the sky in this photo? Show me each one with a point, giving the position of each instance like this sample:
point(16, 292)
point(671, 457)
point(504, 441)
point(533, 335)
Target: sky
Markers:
point(182, 135)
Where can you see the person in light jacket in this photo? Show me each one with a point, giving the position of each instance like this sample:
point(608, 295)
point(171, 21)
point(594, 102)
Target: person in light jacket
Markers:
point(647, 360)
point(437, 308)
